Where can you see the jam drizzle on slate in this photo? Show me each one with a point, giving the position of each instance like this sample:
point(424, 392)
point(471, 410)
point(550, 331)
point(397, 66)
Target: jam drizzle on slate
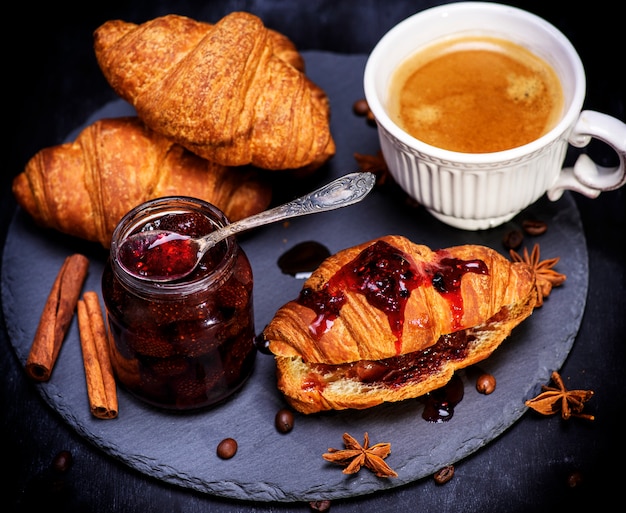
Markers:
point(439, 404)
point(386, 276)
point(303, 258)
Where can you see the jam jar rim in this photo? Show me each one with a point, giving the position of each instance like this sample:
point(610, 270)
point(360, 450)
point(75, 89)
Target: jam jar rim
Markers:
point(140, 214)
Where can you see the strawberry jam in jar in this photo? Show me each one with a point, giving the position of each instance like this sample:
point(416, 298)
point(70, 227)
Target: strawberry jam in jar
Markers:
point(188, 343)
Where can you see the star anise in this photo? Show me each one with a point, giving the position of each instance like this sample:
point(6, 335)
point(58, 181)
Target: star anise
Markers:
point(553, 399)
point(374, 164)
point(545, 276)
point(355, 456)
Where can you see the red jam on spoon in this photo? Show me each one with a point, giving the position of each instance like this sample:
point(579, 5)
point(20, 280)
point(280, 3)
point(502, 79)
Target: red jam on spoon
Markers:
point(158, 255)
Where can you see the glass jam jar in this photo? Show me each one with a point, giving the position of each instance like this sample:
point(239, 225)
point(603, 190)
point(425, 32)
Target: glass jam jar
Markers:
point(189, 343)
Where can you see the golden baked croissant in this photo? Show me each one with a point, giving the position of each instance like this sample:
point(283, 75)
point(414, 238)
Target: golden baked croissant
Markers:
point(83, 188)
point(389, 319)
point(233, 92)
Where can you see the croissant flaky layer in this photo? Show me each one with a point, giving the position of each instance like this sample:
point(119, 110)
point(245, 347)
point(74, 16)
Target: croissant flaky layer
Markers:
point(373, 321)
point(234, 92)
point(83, 188)
point(390, 319)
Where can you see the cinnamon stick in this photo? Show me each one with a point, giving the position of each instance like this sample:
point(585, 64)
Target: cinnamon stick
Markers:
point(56, 317)
point(101, 387)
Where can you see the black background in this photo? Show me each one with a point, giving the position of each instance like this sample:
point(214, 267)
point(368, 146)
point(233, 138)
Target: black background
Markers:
point(52, 83)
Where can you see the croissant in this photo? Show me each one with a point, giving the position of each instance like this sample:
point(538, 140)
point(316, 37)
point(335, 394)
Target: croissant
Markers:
point(389, 319)
point(84, 188)
point(234, 92)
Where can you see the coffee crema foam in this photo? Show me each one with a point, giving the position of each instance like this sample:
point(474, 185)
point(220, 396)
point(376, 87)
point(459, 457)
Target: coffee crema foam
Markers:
point(475, 95)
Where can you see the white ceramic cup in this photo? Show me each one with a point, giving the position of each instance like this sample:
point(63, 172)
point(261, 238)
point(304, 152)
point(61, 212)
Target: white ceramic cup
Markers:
point(483, 190)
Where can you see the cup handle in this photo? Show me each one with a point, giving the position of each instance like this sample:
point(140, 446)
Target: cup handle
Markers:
point(586, 177)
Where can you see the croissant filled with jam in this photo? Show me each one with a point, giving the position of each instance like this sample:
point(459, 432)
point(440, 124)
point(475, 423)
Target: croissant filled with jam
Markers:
point(389, 320)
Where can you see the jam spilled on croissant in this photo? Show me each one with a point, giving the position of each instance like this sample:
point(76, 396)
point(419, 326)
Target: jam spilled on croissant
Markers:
point(408, 368)
point(385, 275)
point(381, 273)
point(398, 370)
point(447, 281)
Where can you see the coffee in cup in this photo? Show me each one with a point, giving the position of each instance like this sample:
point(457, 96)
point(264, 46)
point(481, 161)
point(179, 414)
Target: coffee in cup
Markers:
point(475, 94)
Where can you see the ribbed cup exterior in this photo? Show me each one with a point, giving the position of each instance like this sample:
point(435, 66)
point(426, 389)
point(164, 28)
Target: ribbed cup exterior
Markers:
point(472, 196)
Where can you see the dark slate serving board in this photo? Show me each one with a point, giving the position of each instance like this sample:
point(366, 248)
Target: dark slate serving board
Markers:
point(269, 466)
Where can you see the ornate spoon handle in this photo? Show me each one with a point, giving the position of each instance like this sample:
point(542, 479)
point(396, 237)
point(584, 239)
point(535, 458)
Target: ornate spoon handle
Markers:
point(344, 191)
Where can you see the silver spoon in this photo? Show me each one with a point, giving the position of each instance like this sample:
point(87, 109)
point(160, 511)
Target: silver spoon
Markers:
point(141, 254)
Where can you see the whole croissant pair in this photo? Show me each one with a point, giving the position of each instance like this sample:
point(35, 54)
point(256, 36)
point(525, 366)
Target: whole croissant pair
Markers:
point(210, 99)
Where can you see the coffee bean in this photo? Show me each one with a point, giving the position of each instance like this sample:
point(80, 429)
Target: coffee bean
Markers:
point(575, 479)
point(534, 227)
point(444, 475)
point(360, 107)
point(513, 239)
point(284, 420)
point(227, 448)
point(62, 461)
point(262, 344)
point(485, 384)
point(320, 505)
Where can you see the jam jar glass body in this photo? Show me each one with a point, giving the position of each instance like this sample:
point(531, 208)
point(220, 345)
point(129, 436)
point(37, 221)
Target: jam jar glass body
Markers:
point(185, 344)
